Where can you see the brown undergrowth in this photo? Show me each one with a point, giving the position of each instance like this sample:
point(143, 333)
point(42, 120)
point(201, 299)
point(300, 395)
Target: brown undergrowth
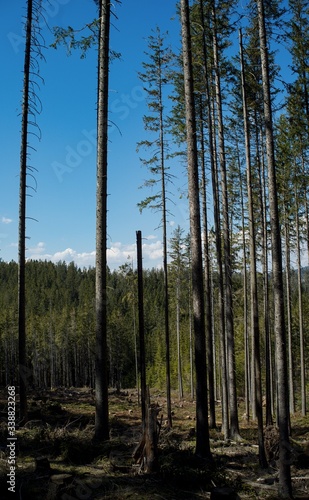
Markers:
point(57, 459)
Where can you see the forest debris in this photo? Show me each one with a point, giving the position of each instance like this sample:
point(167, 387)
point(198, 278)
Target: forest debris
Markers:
point(262, 486)
point(266, 480)
point(224, 493)
point(58, 484)
point(35, 424)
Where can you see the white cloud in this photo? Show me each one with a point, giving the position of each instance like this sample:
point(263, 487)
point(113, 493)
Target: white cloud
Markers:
point(37, 250)
point(117, 254)
point(152, 251)
point(5, 220)
point(84, 259)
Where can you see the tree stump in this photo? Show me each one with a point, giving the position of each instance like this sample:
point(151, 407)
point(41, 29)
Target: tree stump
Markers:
point(271, 439)
point(146, 453)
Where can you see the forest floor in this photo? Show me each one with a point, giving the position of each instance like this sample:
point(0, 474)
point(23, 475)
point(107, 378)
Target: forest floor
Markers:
point(56, 459)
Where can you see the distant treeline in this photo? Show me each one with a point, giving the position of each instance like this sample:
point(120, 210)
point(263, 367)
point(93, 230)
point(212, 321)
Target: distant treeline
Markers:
point(60, 321)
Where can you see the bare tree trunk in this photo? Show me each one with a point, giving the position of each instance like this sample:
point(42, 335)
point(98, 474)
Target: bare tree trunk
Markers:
point(202, 430)
point(253, 279)
point(142, 360)
point(23, 370)
point(209, 315)
point(215, 189)
point(179, 364)
point(234, 424)
point(165, 268)
point(289, 312)
point(222, 356)
point(245, 299)
point(300, 314)
point(101, 384)
point(266, 305)
point(285, 485)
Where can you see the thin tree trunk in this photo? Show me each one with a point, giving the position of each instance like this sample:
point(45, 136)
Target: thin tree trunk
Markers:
point(245, 299)
point(179, 364)
point(23, 370)
point(209, 326)
point(266, 305)
point(202, 430)
point(101, 384)
point(165, 268)
point(142, 357)
point(285, 485)
point(215, 189)
point(289, 312)
point(253, 279)
point(222, 356)
point(234, 424)
point(300, 315)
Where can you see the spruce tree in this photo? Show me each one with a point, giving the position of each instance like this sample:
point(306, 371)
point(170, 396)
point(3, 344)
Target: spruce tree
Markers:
point(156, 77)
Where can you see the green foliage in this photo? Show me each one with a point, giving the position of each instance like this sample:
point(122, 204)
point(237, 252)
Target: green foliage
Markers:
point(71, 39)
point(60, 320)
point(156, 76)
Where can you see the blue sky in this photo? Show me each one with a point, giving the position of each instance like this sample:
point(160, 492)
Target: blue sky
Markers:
point(64, 203)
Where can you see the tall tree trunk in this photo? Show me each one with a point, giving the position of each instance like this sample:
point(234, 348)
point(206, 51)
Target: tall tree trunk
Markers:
point(209, 325)
point(202, 430)
point(222, 329)
point(285, 485)
point(165, 269)
point(266, 304)
point(179, 364)
point(23, 370)
point(300, 313)
point(234, 424)
point(215, 189)
point(245, 298)
point(256, 360)
point(101, 384)
point(289, 311)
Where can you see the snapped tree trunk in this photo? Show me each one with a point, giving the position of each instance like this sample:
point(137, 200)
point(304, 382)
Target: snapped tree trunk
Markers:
point(142, 357)
point(146, 453)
